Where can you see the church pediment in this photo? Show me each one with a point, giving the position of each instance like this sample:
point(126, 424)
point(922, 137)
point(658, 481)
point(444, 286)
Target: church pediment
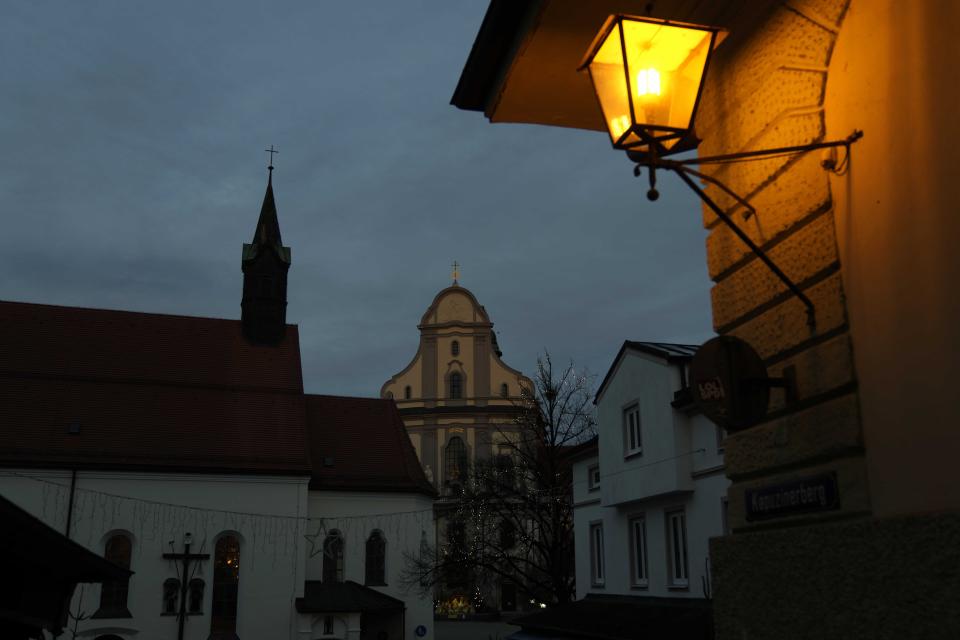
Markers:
point(454, 305)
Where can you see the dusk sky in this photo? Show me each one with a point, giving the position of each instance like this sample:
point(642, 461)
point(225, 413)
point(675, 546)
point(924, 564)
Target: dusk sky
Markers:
point(133, 170)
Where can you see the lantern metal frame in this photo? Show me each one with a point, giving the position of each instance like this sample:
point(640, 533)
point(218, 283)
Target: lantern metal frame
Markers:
point(649, 151)
point(685, 138)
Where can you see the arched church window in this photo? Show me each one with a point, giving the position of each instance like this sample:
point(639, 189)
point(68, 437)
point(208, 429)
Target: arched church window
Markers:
point(455, 347)
point(333, 557)
point(171, 596)
point(389, 395)
point(508, 535)
point(195, 597)
point(407, 392)
point(376, 559)
point(504, 390)
point(226, 582)
point(113, 594)
point(455, 460)
point(456, 385)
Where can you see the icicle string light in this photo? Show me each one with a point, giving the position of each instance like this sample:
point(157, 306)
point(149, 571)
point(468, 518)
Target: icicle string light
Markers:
point(103, 497)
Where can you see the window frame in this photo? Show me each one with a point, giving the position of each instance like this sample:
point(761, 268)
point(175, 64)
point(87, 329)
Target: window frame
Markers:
point(597, 568)
point(175, 599)
point(507, 534)
point(196, 585)
point(115, 594)
point(379, 580)
point(593, 484)
point(455, 348)
point(632, 431)
point(639, 575)
point(457, 463)
point(407, 392)
point(455, 391)
point(677, 579)
point(337, 564)
point(225, 586)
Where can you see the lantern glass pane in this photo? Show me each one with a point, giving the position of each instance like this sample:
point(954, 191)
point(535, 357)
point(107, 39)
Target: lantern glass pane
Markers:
point(610, 83)
point(665, 65)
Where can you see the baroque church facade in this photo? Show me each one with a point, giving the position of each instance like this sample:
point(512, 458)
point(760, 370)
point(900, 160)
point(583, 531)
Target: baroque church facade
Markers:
point(458, 400)
point(185, 450)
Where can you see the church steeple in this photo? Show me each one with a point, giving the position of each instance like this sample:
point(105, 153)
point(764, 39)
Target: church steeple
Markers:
point(265, 264)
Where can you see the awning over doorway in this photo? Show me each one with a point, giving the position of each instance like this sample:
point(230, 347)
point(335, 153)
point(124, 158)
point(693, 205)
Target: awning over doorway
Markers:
point(620, 618)
point(41, 568)
point(348, 596)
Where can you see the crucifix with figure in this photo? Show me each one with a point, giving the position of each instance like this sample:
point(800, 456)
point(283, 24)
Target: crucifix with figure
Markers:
point(186, 558)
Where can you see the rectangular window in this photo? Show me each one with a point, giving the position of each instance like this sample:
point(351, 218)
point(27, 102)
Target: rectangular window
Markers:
point(632, 443)
point(677, 549)
point(596, 554)
point(593, 477)
point(721, 437)
point(638, 551)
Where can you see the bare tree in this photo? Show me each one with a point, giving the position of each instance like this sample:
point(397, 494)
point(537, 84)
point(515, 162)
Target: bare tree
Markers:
point(512, 517)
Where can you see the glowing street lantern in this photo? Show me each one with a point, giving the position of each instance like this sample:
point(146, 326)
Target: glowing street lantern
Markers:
point(648, 76)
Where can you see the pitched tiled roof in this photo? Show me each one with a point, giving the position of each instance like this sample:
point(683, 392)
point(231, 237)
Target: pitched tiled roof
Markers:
point(360, 444)
point(72, 342)
point(146, 391)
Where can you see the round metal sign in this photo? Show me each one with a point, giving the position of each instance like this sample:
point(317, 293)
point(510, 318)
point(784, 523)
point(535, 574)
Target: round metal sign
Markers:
point(729, 383)
point(420, 631)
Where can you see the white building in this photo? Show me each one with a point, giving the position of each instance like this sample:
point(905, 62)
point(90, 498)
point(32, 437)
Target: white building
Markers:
point(148, 437)
point(650, 491)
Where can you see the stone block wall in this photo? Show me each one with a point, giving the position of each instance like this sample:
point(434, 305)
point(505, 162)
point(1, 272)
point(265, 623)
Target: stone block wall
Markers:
point(766, 89)
point(849, 579)
point(885, 434)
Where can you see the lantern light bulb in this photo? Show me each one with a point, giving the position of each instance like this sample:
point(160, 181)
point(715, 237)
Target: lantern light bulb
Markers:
point(648, 82)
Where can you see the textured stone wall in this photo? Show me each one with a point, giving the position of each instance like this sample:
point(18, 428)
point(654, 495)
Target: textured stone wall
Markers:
point(853, 579)
point(766, 89)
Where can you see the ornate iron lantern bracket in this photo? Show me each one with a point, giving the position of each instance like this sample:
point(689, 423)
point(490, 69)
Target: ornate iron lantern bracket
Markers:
point(652, 160)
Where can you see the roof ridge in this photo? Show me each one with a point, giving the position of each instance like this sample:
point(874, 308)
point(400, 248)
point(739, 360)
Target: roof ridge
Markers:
point(123, 311)
point(146, 382)
point(331, 395)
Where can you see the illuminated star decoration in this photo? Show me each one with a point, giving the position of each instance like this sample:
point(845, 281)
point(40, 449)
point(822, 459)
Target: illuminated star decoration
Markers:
point(312, 538)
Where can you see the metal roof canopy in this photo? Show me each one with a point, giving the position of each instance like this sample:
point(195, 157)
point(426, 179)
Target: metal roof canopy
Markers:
point(523, 64)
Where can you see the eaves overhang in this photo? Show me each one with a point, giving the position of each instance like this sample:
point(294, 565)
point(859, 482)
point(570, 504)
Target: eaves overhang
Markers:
point(523, 65)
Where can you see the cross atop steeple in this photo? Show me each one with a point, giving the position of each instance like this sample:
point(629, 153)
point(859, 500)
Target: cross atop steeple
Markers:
point(271, 151)
point(456, 271)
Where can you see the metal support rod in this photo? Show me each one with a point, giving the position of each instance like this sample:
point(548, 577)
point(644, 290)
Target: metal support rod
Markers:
point(73, 490)
point(846, 142)
point(681, 171)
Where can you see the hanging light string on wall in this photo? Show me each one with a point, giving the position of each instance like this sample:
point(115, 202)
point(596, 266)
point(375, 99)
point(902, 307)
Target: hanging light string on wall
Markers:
point(648, 76)
point(247, 514)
